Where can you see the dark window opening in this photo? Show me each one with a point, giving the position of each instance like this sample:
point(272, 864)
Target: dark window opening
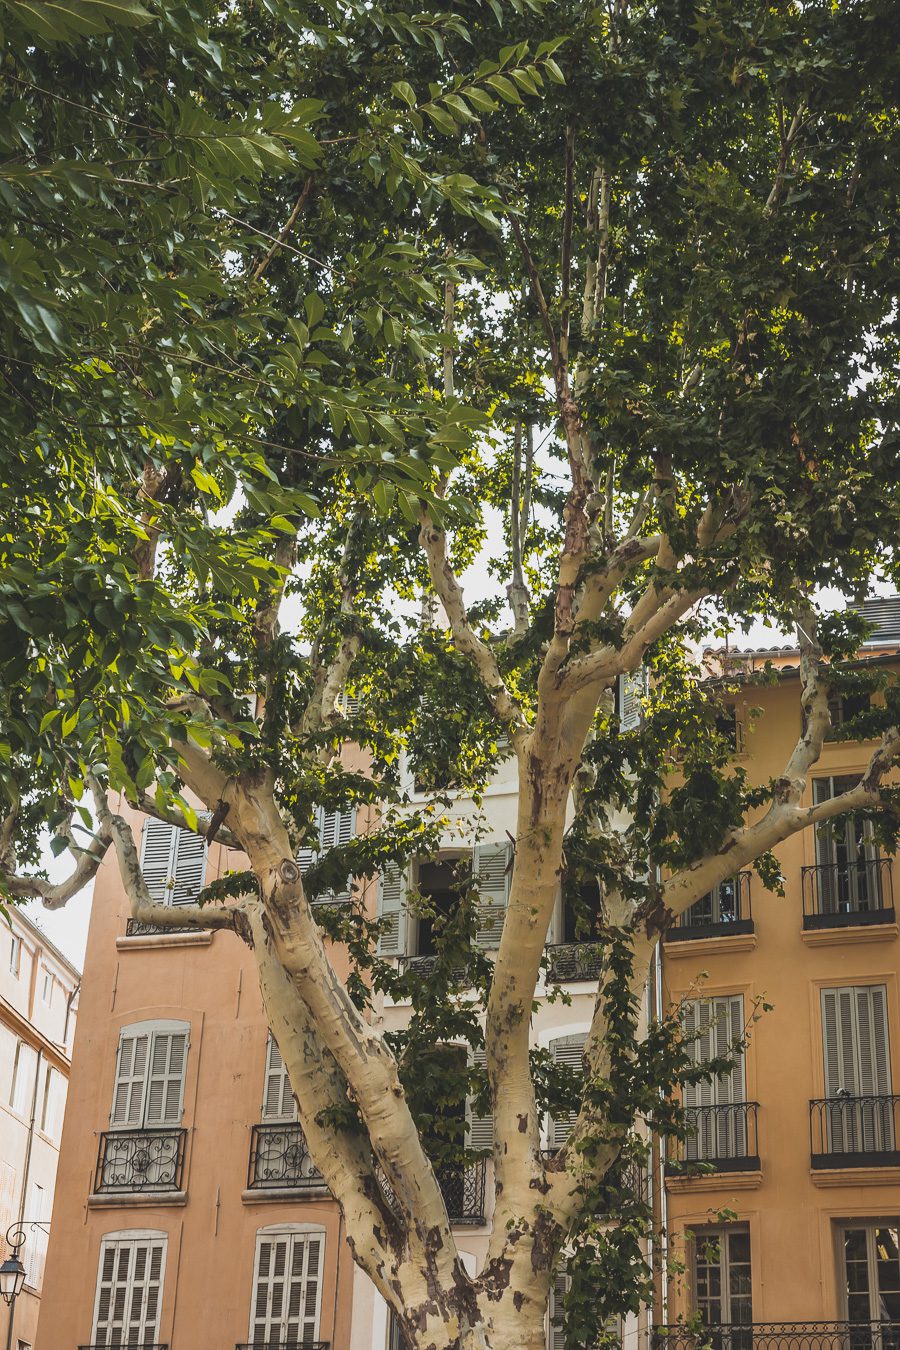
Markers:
point(582, 912)
point(441, 884)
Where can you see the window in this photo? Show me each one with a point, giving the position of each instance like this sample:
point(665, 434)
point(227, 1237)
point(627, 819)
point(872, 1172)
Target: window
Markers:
point(15, 954)
point(52, 1103)
point(581, 913)
point(843, 708)
point(722, 1279)
point(612, 1328)
point(278, 1099)
point(857, 1069)
point(173, 861)
point(569, 1051)
point(630, 690)
point(395, 1337)
point(37, 1208)
point(46, 986)
point(23, 1086)
point(871, 1272)
point(287, 1285)
point(129, 1289)
point(150, 1066)
point(440, 882)
point(334, 829)
point(712, 1026)
point(848, 869)
point(726, 906)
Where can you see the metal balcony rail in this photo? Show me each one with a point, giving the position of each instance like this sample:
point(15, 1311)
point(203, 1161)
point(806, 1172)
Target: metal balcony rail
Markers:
point(279, 1158)
point(723, 1136)
point(723, 910)
point(282, 1345)
point(138, 928)
point(573, 961)
point(837, 895)
point(127, 1344)
point(850, 1131)
point(782, 1336)
point(135, 1161)
point(462, 1187)
point(427, 965)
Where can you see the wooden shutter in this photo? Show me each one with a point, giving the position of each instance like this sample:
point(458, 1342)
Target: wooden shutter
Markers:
point(481, 1128)
point(567, 1050)
point(556, 1339)
point(287, 1287)
point(392, 909)
point(129, 1291)
point(631, 691)
point(165, 1083)
point(492, 876)
point(190, 867)
point(336, 829)
point(278, 1100)
point(158, 859)
point(131, 1079)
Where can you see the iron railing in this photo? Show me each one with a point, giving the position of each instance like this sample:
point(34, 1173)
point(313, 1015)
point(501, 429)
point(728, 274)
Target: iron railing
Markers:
point(138, 928)
point(124, 1345)
point(427, 965)
point(279, 1158)
point(724, 1137)
point(782, 1336)
point(723, 910)
point(462, 1186)
point(573, 961)
point(851, 1131)
point(282, 1345)
point(134, 1161)
point(838, 895)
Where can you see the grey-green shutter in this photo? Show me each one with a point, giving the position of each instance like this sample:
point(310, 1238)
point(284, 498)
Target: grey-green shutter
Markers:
point(567, 1050)
point(392, 909)
point(492, 877)
point(190, 867)
point(158, 849)
point(481, 1128)
point(278, 1099)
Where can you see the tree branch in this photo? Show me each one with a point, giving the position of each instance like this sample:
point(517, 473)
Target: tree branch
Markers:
point(55, 895)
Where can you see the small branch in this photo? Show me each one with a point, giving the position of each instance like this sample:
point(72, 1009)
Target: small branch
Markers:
point(148, 806)
point(56, 895)
point(156, 486)
point(519, 508)
point(284, 231)
point(329, 679)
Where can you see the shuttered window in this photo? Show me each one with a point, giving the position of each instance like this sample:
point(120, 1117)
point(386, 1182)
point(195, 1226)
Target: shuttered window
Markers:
point(492, 871)
point(857, 1066)
point(173, 862)
point(129, 1290)
point(278, 1099)
point(631, 691)
point(150, 1066)
point(392, 910)
point(711, 1027)
point(556, 1340)
point(287, 1287)
point(568, 1050)
point(333, 829)
point(481, 1128)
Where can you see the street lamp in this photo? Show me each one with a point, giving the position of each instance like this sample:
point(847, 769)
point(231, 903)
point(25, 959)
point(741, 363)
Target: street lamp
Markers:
point(12, 1276)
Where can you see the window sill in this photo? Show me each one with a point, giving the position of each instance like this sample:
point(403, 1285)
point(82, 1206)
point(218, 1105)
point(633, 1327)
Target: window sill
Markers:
point(854, 1176)
point(260, 1195)
point(711, 946)
point(136, 1199)
point(142, 941)
point(840, 937)
point(715, 1181)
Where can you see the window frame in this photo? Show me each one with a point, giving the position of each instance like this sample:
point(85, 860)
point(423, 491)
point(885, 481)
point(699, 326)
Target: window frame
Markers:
point(131, 1236)
point(870, 1228)
point(292, 1231)
point(15, 955)
point(716, 1233)
point(151, 1029)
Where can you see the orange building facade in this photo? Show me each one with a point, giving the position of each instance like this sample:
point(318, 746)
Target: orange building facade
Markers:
point(796, 1214)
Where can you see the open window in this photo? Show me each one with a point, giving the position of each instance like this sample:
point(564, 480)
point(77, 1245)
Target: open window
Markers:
point(441, 881)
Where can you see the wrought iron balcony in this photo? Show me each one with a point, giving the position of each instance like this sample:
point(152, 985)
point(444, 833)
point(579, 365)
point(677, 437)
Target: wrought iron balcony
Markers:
point(724, 1137)
point(574, 961)
point(132, 1162)
point(124, 1345)
point(138, 928)
point(722, 911)
point(838, 895)
point(854, 1132)
point(279, 1158)
point(462, 1187)
point(782, 1336)
point(282, 1345)
point(428, 964)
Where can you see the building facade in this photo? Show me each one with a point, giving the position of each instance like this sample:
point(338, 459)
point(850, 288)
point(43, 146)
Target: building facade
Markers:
point(795, 1215)
point(38, 1009)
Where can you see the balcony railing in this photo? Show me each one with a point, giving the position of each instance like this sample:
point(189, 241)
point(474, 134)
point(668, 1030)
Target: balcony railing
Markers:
point(138, 928)
point(134, 1161)
point(573, 961)
point(838, 895)
point(124, 1345)
point(279, 1158)
point(723, 1136)
point(427, 965)
point(462, 1187)
point(723, 910)
point(282, 1345)
point(782, 1336)
point(854, 1131)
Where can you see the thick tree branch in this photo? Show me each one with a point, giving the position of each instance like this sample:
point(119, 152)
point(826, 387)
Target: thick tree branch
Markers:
point(54, 895)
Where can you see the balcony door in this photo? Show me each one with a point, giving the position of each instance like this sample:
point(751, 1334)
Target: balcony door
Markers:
point(143, 1148)
point(129, 1289)
point(857, 1069)
point(849, 881)
point(287, 1286)
point(871, 1276)
point(723, 1286)
point(712, 1106)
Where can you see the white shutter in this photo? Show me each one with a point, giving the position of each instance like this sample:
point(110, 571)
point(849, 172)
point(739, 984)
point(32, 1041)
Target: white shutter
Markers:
point(491, 876)
point(278, 1100)
point(481, 1128)
point(336, 829)
point(131, 1080)
point(158, 846)
point(631, 691)
point(190, 867)
point(556, 1339)
point(165, 1086)
point(392, 909)
point(287, 1287)
point(567, 1050)
point(129, 1291)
